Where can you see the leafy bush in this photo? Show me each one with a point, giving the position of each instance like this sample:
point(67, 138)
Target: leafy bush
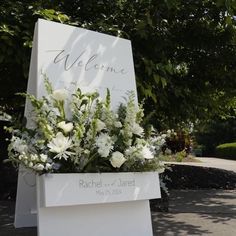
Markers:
point(215, 132)
point(179, 141)
point(226, 150)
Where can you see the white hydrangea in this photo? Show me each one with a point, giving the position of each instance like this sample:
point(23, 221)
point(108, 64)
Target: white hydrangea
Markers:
point(18, 144)
point(105, 144)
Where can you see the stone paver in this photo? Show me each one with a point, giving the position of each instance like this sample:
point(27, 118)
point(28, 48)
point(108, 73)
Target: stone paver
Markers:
point(198, 212)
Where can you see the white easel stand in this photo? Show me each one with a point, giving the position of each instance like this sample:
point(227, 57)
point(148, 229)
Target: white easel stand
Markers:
point(72, 204)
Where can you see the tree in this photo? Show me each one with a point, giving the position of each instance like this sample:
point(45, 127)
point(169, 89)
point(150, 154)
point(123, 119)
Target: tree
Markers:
point(184, 50)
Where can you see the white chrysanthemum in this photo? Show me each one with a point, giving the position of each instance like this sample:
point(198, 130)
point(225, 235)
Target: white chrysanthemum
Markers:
point(104, 144)
point(59, 94)
point(146, 153)
point(59, 145)
point(117, 159)
point(66, 127)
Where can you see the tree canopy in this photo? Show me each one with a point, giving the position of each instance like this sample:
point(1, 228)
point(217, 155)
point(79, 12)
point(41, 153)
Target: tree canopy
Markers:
point(184, 50)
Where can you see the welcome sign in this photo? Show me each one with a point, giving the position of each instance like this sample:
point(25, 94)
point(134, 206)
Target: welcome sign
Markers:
point(72, 58)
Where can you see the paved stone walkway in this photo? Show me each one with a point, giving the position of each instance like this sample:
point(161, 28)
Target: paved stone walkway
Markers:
point(198, 212)
point(211, 162)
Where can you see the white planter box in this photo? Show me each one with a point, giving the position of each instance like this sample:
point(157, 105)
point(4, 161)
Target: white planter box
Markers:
point(96, 204)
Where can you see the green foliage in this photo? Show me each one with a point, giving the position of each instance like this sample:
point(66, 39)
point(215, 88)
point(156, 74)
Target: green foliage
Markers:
point(179, 142)
point(226, 150)
point(179, 156)
point(184, 50)
point(211, 134)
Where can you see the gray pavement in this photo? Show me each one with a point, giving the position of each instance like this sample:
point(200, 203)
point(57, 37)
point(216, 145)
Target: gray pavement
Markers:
point(198, 212)
point(210, 162)
point(191, 212)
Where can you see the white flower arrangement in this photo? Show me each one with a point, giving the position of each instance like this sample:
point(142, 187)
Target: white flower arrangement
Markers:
point(93, 138)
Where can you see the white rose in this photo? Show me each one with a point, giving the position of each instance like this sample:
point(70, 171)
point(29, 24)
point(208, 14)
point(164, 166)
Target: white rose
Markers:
point(118, 124)
point(39, 167)
point(59, 94)
point(66, 127)
point(43, 157)
point(48, 166)
point(117, 159)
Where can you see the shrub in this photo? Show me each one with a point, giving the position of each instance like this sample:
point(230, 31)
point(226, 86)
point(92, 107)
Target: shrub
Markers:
point(226, 150)
point(179, 141)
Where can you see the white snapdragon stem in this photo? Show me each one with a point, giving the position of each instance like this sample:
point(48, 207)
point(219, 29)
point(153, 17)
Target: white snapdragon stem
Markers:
point(59, 94)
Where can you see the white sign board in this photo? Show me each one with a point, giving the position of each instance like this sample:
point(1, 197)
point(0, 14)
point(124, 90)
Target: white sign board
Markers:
point(95, 188)
point(73, 57)
point(69, 203)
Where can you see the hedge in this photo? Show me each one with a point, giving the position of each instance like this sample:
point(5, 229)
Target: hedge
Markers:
point(226, 150)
